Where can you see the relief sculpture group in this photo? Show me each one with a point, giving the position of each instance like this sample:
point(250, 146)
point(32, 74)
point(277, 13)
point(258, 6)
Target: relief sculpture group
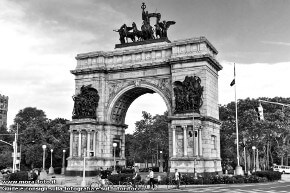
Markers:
point(188, 95)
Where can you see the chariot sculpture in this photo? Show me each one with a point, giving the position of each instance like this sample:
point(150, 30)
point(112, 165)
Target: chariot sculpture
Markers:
point(147, 32)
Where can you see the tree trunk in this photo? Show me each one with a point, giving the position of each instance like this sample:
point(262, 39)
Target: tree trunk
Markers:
point(282, 160)
point(151, 160)
point(267, 162)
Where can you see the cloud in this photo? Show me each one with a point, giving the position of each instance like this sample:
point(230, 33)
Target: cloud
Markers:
point(254, 80)
point(66, 27)
point(276, 43)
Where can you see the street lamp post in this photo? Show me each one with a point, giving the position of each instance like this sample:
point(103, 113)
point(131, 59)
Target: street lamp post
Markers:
point(114, 146)
point(63, 162)
point(254, 165)
point(83, 184)
point(43, 174)
point(43, 160)
point(51, 170)
point(161, 162)
point(194, 172)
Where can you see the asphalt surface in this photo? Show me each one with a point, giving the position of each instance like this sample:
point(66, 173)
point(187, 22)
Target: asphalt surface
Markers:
point(281, 186)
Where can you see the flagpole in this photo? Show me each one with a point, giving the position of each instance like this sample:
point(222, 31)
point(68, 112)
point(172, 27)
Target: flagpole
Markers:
point(239, 170)
point(237, 128)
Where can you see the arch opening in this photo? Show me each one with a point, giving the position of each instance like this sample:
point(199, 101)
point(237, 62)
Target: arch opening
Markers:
point(125, 98)
point(150, 103)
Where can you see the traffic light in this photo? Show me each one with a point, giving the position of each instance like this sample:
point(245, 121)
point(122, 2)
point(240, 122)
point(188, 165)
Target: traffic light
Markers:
point(260, 112)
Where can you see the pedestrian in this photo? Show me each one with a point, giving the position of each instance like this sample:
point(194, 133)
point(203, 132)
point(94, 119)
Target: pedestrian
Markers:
point(103, 177)
point(135, 176)
point(151, 178)
point(177, 178)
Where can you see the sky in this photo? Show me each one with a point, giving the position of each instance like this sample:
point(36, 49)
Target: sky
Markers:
point(40, 39)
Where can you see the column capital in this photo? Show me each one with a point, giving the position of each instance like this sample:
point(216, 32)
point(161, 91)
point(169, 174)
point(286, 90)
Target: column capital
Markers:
point(173, 127)
point(184, 127)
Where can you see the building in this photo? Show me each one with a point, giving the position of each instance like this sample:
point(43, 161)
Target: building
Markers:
point(3, 110)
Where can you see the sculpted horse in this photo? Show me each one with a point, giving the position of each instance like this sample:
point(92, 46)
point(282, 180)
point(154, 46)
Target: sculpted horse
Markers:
point(138, 33)
point(124, 32)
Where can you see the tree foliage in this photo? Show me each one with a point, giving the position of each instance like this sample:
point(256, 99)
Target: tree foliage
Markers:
point(270, 136)
point(150, 137)
point(35, 130)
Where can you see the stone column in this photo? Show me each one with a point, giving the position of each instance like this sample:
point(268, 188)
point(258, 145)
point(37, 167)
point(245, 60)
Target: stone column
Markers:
point(194, 143)
point(71, 144)
point(123, 144)
point(88, 142)
point(173, 141)
point(80, 144)
point(185, 140)
point(94, 144)
point(199, 142)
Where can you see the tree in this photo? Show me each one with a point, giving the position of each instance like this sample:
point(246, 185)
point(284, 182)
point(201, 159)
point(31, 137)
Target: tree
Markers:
point(36, 130)
point(269, 135)
point(27, 116)
point(149, 138)
point(6, 159)
point(7, 137)
point(58, 139)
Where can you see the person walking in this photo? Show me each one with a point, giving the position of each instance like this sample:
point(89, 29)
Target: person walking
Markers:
point(151, 178)
point(177, 178)
point(135, 176)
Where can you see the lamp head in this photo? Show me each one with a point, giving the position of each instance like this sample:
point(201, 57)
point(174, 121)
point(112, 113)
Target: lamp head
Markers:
point(43, 146)
point(114, 144)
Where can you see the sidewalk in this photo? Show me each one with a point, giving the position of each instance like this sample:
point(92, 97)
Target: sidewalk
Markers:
point(75, 181)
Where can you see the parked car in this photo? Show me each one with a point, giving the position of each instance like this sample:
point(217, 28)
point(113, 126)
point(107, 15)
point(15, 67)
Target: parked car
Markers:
point(7, 170)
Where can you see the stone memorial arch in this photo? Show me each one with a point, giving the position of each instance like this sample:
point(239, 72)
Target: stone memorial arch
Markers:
point(183, 72)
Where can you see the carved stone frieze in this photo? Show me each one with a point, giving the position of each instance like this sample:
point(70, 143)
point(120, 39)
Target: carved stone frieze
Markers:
point(163, 84)
point(123, 102)
point(116, 86)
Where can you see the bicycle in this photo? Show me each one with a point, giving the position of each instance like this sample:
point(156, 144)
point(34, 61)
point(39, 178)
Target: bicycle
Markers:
point(128, 183)
point(101, 183)
point(138, 184)
point(172, 183)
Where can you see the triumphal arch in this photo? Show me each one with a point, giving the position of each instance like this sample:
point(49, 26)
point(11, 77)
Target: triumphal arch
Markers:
point(183, 72)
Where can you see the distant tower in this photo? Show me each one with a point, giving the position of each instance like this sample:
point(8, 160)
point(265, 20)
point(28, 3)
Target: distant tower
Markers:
point(3, 110)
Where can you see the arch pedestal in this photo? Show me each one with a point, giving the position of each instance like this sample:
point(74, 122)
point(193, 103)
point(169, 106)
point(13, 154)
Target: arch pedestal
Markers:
point(121, 76)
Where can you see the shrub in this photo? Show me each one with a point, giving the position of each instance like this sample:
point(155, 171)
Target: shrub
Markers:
point(119, 178)
point(239, 179)
point(270, 175)
point(57, 170)
point(144, 170)
point(254, 179)
point(155, 169)
point(19, 176)
point(127, 171)
point(34, 176)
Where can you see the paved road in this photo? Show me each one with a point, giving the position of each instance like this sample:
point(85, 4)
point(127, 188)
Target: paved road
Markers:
point(277, 187)
point(282, 186)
